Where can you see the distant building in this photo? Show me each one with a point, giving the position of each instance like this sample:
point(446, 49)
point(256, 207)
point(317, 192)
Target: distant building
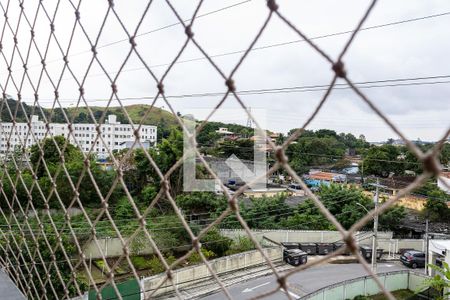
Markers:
point(114, 135)
point(226, 134)
point(132, 145)
point(316, 178)
point(224, 131)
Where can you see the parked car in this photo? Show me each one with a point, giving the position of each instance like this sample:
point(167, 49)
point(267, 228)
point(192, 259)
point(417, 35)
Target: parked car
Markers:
point(413, 259)
point(295, 257)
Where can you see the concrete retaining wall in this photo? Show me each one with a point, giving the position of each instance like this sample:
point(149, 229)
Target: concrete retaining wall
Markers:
point(191, 275)
point(112, 247)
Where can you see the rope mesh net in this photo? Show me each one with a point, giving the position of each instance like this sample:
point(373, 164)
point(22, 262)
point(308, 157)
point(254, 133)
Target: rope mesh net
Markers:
point(44, 253)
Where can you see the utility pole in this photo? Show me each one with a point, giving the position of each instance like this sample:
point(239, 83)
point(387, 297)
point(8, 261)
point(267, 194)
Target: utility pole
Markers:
point(375, 230)
point(426, 247)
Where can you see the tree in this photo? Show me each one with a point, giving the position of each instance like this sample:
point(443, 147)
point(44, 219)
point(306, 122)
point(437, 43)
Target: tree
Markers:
point(215, 242)
point(436, 208)
point(307, 217)
point(261, 213)
point(242, 148)
point(383, 160)
point(32, 262)
point(51, 156)
point(280, 139)
point(200, 202)
point(165, 155)
point(345, 203)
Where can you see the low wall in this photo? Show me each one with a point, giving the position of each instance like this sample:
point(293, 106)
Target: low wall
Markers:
point(112, 247)
point(349, 289)
point(312, 236)
point(190, 275)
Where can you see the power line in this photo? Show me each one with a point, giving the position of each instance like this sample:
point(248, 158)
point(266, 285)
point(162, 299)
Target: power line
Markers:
point(147, 32)
point(253, 49)
point(285, 43)
point(393, 82)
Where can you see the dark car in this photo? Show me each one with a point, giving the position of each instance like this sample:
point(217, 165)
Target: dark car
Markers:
point(413, 259)
point(295, 257)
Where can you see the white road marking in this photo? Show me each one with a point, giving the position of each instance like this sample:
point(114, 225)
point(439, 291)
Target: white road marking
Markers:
point(291, 293)
point(247, 290)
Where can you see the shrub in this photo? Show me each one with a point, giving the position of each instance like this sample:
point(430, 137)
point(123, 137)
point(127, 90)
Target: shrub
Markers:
point(140, 262)
point(242, 244)
point(156, 266)
point(216, 242)
point(195, 257)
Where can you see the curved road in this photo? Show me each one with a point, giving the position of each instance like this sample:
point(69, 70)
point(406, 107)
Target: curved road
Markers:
point(304, 282)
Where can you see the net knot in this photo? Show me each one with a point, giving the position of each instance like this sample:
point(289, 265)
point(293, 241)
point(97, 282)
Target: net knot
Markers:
point(114, 88)
point(230, 84)
point(273, 6)
point(232, 203)
point(132, 41)
point(280, 156)
point(188, 31)
point(160, 87)
point(431, 164)
point(339, 69)
point(196, 244)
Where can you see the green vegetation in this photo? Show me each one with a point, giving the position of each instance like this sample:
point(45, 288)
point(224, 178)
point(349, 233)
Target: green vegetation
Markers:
point(440, 281)
point(323, 147)
point(242, 244)
point(389, 159)
point(436, 209)
point(399, 295)
point(49, 246)
point(345, 204)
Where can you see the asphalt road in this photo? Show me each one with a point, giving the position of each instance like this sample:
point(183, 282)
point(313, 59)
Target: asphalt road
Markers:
point(304, 282)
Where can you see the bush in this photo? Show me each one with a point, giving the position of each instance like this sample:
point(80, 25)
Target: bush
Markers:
point(140, 262)
point(195, 257)
point(242, 244)
point(216, 242)
point(156, 266)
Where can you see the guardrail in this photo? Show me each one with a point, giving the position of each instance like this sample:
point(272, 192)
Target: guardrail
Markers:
point(156, 285)
point(366, 285)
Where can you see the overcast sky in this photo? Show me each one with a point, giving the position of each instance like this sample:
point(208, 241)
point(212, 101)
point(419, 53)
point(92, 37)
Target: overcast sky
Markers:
point(409, 50)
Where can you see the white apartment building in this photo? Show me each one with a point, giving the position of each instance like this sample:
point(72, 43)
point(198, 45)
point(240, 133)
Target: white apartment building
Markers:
point(116, 136)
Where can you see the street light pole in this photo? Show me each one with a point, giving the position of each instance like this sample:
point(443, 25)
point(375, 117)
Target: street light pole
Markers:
point(375, 232)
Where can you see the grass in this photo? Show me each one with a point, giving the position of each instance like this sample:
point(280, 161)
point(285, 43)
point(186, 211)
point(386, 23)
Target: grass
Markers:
point(399, 295)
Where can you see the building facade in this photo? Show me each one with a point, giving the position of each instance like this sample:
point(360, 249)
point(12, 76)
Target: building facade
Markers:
point(115, 136)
